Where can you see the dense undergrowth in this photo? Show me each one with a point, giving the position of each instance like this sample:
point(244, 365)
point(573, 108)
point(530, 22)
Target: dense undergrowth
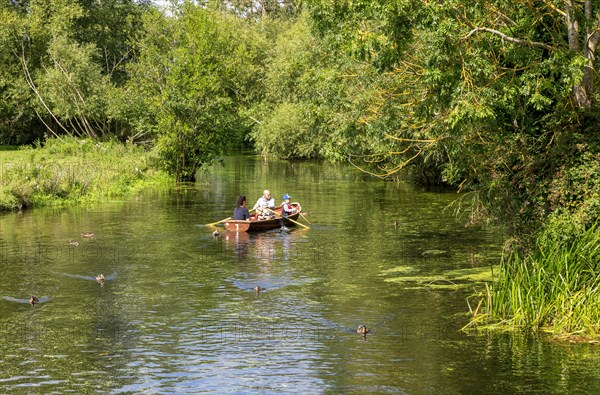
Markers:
point(550, 282)
point(71, 171)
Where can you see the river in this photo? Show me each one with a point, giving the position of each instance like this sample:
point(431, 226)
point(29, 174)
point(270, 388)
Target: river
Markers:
point(177, 313)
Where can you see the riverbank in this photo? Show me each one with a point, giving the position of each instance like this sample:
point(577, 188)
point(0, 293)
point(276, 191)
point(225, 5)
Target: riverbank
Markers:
point(552, 289)
point(548, 280)
point(74, 171)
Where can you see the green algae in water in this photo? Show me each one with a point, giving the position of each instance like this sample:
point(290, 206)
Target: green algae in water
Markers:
point(476, 274)
point(450, 280)
point(398, 269)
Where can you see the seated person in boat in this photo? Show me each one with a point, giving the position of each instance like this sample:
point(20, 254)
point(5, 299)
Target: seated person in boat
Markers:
point(286, 208)
point(263, 205)
point(241, 213)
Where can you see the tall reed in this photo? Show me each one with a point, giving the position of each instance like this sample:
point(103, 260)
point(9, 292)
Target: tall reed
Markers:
point(555, 288)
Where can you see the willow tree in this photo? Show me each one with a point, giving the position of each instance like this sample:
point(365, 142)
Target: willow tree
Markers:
point(299, 115)
point(492, 93)
point(60, 62)
point(580, 20)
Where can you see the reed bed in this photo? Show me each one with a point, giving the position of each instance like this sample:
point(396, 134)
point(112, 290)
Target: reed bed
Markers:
point(555, 288)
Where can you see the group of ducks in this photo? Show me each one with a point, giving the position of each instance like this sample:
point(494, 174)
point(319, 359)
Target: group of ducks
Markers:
point(84, 234)
point(99, 278)
point(361, 330)
point(33, 300)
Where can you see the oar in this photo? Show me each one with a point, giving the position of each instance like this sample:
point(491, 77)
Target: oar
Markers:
point(223, 220)
point(218, 222)
point(287, 218)
point(302, 215)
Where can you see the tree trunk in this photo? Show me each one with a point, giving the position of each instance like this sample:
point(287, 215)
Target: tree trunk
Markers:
point(582, 92)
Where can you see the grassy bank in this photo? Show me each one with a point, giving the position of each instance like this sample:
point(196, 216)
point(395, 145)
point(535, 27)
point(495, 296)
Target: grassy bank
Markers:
point(553, 289)
point(66, 172)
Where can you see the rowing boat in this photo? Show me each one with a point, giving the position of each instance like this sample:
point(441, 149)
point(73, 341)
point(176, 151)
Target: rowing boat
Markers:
point(255, 225)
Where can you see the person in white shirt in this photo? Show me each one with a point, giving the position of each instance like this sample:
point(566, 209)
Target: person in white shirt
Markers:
point(263, 203)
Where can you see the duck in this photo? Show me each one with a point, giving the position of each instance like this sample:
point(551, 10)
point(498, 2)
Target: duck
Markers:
point(362, 330)
point(258, 289)
point(100, 278)
point(73, 243)
point(88, 235)
point(33, 300)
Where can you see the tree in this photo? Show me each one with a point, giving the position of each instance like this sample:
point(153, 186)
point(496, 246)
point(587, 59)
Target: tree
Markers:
point(580, 21)
point(110, 25)
point(304, 112)
point(17, 118)
point(196, 72)
point(65, 65)
point(490, 93)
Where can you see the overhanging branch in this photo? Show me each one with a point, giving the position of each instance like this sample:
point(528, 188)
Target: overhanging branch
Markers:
point(510, 39)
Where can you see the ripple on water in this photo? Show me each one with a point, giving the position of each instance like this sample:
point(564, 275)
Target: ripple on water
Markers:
point(182, 317)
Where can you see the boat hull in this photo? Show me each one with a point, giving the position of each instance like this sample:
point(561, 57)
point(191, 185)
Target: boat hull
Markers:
point(260, 225)
point(256, 225)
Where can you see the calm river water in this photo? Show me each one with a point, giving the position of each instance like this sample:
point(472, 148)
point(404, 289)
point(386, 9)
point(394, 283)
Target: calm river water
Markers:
point(178, 314)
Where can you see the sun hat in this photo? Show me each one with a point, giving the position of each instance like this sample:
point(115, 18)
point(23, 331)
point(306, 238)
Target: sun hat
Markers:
point(286, 196)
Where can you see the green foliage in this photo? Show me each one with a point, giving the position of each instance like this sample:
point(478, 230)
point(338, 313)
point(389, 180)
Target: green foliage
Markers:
point(60, 61)
point(195, 77)
point(303, 80)
point(73, 171)
point(287, 132)
point(110, 25)
point(74, 87)
point(553, 289)
point(17, 117)
point(376, 31)
point(251, 9)
point(574, 191)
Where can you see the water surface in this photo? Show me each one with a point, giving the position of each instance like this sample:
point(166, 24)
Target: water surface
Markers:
point(178, 314)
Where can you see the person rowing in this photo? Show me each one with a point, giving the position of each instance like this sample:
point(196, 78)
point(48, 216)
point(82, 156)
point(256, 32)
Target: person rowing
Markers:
point(264, 204)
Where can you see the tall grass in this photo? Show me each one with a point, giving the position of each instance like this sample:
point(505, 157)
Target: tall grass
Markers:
point(72, 172)
point(555, 288)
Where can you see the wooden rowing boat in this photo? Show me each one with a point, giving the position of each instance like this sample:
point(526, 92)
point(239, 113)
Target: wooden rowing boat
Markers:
point(256, 225)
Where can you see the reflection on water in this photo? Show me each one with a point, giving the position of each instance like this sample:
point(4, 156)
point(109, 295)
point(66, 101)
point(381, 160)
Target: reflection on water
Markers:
point(263, 246)
point(179, 313)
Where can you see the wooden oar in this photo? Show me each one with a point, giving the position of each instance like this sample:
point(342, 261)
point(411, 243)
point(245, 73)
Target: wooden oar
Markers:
point(302, 215)
point(224, 220)
point(218, 222)
point(286, 218)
